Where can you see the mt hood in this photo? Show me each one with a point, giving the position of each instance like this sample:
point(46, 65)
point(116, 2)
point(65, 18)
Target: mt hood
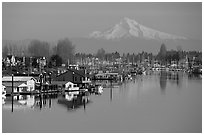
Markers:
point(131, 28)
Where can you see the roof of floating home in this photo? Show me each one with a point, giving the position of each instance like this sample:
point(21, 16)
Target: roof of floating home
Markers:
point(59, 82)
point(24, 75)
point(17, 78)
point(9, 84)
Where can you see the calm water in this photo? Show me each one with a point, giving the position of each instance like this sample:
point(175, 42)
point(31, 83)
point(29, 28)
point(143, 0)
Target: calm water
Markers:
point(152, 103)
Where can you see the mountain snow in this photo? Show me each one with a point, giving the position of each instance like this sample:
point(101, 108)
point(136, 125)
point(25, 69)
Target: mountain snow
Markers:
point(131, 28)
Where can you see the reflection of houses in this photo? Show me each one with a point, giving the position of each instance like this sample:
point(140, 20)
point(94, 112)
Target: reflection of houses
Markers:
point(73, 102)
point(20, 83)
point(19, 101)
point(27, 100)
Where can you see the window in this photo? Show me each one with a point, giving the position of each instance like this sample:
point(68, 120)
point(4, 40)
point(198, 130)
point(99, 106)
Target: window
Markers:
point(75, 78)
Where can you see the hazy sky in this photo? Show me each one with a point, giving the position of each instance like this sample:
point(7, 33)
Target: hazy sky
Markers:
point(53, 21)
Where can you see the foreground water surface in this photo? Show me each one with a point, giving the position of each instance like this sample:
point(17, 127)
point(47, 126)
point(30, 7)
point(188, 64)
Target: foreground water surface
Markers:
point(151, 103)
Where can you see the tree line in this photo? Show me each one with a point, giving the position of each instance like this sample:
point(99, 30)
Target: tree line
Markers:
point(163, 56)
point(64, 52)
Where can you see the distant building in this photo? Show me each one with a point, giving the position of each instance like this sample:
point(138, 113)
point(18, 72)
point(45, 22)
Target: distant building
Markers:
point(76, 67)
point(61, 70)
point(10, 60)
point(42, 63)
point(107, 75)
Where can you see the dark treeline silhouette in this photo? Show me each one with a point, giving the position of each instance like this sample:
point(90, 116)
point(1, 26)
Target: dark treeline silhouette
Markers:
point(55, 61)
point(166, 57)
point(64, 50)
point(39, 48)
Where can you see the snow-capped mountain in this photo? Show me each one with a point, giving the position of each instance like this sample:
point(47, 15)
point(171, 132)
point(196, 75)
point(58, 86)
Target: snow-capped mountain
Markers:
point(131, 28)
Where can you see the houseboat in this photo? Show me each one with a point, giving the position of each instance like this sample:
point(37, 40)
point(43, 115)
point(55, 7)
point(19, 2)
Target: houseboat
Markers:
point(107, 76)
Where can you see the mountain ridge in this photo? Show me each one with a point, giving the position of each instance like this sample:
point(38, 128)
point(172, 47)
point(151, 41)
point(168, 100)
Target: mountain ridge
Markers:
point(127, 28)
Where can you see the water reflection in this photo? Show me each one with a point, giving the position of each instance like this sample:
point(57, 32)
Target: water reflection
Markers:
point(28, 101)
point(44, 100)
point(73, 100)
point(111, 94)
point(194, 76)
point(172, 77)
point(163, 79)
point(138, 102)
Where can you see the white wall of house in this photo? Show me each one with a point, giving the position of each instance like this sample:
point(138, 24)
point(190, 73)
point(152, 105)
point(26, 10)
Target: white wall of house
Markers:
point(71, 86)
point(31, 85)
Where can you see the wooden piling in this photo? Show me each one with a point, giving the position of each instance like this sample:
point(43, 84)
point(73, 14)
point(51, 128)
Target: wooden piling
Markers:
point(84, 104)
point(111, 92)
point(40, 101)
point(12, 94)
point(50, 101)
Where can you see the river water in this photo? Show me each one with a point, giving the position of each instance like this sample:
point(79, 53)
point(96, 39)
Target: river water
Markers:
point(150, 103)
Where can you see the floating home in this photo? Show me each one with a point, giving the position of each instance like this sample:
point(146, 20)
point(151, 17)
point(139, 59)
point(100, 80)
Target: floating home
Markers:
point(20, 84)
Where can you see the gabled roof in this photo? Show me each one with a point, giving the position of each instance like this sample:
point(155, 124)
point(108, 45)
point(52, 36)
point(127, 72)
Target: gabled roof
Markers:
point(17, 78)
point(23, 85)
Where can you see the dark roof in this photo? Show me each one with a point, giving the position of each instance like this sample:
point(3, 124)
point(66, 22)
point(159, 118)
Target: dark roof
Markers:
point(33, 75)
point(58, 82)
point(9, 56)
point(75, 71)
point(79, 72)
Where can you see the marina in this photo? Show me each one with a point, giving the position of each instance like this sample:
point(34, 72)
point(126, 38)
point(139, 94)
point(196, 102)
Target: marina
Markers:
point(157, 102)
point(101, 67)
